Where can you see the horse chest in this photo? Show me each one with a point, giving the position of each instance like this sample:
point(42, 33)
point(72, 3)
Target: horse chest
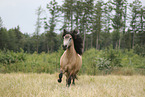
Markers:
point(68, 63)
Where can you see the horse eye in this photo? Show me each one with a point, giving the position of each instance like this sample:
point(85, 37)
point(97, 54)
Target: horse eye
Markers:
point(69, 39)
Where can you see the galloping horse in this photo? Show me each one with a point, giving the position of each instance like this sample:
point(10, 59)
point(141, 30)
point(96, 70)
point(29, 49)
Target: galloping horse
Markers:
point(71, 60)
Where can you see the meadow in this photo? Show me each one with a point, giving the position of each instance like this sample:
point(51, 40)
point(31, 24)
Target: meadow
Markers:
point(46, 85)
point(104, 73)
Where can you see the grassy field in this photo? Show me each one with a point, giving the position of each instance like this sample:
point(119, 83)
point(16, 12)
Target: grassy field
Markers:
point(45, 85)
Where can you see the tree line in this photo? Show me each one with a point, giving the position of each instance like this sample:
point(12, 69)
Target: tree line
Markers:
point(101, 24)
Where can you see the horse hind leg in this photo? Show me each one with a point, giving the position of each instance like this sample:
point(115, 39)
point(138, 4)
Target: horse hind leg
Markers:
point(60, 77)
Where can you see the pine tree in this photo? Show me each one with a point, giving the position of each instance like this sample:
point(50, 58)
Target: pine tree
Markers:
point(54, 10)
point(12, 40)
point(68, 10)
point(124, 15)
point(1, 23)
point(86, 19)
point(117, 21)
point(4, 40)
point(107, 10)
point(18, 38)
point(141, 27)
point(78, 11)
point(135, 10)
point(38, 26)
point(97, 24)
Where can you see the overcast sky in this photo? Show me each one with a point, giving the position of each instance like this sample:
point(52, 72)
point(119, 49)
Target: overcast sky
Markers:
point(23, 13)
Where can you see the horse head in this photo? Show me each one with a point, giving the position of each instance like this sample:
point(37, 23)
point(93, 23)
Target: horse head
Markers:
point(68, 39)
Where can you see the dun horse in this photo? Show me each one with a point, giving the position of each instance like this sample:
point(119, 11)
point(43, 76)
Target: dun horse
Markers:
point(71, 60)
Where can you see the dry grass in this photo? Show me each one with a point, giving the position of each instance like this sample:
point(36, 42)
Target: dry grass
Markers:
point(45, 85)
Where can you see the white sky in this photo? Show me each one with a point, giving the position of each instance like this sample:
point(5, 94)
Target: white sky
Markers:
point(23, 13)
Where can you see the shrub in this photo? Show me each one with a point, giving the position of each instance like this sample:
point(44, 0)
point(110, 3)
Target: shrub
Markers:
point(106, 61)
point(7, 57)
point(103, 64)
point(89, 65)
point(114, 56)
point(140, 50)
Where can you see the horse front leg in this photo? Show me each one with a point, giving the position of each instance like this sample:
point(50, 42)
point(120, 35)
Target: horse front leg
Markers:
point(68, 79)
point(74, 77)
point(73, 81)
point(60, 76)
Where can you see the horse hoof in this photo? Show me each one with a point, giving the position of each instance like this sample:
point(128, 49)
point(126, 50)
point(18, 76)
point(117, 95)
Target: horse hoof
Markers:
point(59, 80)
point(67, 85)
point(73, 83)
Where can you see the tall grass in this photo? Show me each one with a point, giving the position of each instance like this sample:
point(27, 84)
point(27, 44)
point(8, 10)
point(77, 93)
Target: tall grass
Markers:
point(46, 85)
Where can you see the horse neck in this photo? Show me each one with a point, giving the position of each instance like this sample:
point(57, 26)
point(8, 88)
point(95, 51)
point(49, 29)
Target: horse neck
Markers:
point(71, 51)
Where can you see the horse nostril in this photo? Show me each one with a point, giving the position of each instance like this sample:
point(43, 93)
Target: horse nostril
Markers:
point(64, 47)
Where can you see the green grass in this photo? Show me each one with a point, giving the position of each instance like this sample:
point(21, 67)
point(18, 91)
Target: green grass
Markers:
point(46, 85)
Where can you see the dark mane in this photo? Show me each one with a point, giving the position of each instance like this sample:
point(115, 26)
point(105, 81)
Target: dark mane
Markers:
point(78, 42)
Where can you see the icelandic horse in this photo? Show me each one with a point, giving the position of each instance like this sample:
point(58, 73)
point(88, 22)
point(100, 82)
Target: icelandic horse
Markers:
point(71, 60)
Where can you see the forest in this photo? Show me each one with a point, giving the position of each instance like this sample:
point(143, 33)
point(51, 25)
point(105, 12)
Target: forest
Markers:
point(115, 27)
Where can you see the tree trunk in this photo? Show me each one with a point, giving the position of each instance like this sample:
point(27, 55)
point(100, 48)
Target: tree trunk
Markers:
point(91, 40)
point(37, 47)
point(133, 40)
point(97, 41)
point(86, 43)
point(124, 19)
point(119, 43)
point(116, 45)
point(71, 20)
point(84, 38)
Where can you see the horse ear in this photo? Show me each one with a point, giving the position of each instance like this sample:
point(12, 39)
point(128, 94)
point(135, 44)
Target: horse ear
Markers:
point(75, 31)
point(64, 32)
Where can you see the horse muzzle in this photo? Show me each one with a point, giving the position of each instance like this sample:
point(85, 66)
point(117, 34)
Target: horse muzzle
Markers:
point(64, 47)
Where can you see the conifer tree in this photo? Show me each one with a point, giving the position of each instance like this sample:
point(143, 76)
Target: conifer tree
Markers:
point(1, 22)
point(38, 26)
point(97, 23)
point(135, 12)
point(50, 25)
point(117, 21)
